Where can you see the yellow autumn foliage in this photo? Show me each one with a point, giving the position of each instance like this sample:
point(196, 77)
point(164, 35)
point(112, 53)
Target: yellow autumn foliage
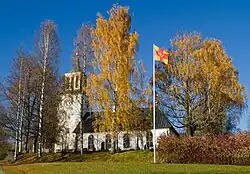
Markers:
point(114, 49)
point(199, 88)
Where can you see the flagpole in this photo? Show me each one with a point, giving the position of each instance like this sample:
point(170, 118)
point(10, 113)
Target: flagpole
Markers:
point(154, 134)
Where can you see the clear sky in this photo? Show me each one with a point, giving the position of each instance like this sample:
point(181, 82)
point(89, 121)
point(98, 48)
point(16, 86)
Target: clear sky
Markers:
point(155, 21)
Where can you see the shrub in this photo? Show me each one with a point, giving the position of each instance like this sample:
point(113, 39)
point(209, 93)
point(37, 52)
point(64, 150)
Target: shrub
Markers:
point(221, 149)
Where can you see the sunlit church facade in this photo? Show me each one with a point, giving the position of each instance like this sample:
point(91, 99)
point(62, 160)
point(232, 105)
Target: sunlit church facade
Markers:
point(74, 104)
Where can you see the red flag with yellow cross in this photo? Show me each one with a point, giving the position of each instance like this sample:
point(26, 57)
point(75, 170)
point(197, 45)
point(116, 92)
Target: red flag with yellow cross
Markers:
point(160, 54)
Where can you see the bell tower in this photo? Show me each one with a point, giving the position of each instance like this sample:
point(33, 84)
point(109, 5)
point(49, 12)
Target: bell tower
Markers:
point(74, 103)
point(76, 80)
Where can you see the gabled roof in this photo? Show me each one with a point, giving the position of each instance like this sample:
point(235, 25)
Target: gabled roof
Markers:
point(161, 121)
point(88, 119)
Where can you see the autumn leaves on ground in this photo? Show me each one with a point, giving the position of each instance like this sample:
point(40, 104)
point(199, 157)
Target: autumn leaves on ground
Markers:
point(198, 90)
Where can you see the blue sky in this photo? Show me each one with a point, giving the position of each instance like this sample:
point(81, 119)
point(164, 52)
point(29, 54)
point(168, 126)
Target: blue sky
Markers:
point(155, 21)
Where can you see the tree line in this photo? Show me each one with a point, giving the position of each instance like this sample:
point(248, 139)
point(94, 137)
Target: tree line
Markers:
point(32, 93)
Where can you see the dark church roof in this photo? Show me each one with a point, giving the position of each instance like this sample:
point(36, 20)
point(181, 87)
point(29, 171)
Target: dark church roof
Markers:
point(161, 121)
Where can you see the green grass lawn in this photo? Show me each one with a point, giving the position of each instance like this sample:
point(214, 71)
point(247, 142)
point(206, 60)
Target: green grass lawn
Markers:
point(137, 156)
point(103, 162)
point(120, 168)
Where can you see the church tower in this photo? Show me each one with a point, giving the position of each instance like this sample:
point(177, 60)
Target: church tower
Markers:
point(76, 80)
point(74, 103)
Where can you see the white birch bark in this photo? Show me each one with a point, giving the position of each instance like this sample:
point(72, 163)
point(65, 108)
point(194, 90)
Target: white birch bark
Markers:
point(18, 109)
point(45, 58)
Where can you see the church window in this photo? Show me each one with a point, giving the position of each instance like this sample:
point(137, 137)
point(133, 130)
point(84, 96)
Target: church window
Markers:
point(91, 142)
point(149, 137)
point(108, 141)
point(126, 141)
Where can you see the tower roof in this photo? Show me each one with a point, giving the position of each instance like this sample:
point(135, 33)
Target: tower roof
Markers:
point(76, 65)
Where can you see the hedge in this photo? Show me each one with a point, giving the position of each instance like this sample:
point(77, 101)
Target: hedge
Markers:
point(221, 149)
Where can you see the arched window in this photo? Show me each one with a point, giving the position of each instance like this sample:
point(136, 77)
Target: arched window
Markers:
point(108, 142)
point(139, 141)
point(91, 142)
point(126, 141)
point(149, 137)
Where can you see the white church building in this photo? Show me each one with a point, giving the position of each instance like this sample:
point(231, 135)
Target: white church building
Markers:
point(70, 118)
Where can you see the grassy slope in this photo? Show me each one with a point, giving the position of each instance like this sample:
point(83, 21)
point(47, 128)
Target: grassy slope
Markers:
point(121, 168)
point(138, 156)
point(128, 162)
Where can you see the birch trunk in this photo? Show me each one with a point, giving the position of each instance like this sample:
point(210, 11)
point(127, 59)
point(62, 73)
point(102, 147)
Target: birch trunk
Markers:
point(18, 109)
point(46, 44)
point(21, 126)
point(82, 109)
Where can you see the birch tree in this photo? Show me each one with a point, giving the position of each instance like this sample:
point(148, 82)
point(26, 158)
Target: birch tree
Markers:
point(48, 45)
point(114, 49)
point(76, 99)
point(83, 50)
point(176, 82)
point(199, 89)
point(5, 133)
point(83, 62)
point(30, 98)
point(13, 120)
point(223, 96)
point(16, 90)
point(30, 73)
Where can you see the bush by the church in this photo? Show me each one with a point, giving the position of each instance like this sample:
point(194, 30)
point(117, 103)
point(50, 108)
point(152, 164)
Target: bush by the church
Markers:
point(221, 149)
